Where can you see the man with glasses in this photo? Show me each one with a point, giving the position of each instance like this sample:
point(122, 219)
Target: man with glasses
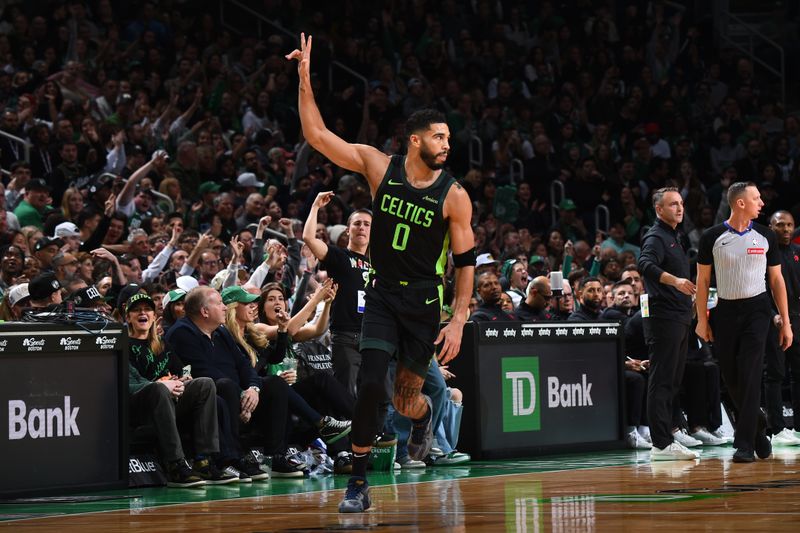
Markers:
point(65, 265)
point(217, 245)
point(209, 266)
point(563, 306)
point(189, 241)
point(536, 306)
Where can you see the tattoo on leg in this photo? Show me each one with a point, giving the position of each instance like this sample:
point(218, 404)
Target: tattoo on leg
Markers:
point(407, 398)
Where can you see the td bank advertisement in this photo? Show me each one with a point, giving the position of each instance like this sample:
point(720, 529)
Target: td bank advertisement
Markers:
point(548, 391)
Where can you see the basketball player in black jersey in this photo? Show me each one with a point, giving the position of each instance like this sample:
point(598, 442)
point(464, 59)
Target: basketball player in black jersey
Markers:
point(419, 213)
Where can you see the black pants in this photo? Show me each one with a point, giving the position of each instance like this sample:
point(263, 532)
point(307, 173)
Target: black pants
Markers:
point(325, 394)
point(270, 416)
point(701, 395)
point(197, 405)
point(777, 362)
point(299, 406)
point(229, 447)
point(346, 359)
point(636, 396)
point(667, 342)
point(740, 334)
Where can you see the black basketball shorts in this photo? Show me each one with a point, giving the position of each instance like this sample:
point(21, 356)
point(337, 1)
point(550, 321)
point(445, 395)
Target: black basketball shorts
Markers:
point(403, 320)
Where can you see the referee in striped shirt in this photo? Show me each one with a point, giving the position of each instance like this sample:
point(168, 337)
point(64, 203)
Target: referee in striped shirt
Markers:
point(743, 256)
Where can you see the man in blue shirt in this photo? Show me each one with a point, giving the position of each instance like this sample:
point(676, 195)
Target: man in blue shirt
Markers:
point(201, 340)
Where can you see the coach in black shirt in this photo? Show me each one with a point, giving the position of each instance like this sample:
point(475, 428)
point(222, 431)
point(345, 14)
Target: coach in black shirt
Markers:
point(667, 316)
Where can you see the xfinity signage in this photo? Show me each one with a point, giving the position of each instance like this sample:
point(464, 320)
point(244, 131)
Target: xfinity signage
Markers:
point(497, 333)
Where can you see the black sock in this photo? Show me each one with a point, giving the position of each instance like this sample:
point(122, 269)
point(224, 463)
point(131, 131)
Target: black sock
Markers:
point(360, 462)
point(424, 420)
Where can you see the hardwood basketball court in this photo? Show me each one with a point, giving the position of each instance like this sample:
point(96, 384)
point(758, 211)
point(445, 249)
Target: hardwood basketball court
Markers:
point(608, 491)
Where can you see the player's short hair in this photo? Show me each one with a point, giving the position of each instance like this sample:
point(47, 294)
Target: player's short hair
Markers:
point(422, 119)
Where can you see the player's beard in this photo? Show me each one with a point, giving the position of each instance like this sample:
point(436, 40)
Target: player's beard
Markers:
point(591, 305)
point(429, 158)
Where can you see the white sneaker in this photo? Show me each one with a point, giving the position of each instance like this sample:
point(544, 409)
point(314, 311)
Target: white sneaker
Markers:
point(720, 434)
point(436, 452)
point(683, 438)
point(785, 438)
point(674, 452)
point(407, 462)
point(635, 441)
point(707, 438)
point(644, 432)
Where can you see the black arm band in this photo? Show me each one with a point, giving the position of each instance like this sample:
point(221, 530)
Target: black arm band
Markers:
point(464, 260)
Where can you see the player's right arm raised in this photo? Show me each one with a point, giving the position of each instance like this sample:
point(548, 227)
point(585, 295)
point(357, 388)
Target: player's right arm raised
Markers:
point(365, 160)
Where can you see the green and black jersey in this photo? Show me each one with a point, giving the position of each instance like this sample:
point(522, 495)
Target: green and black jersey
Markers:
point(152, 366)
point(410, 236)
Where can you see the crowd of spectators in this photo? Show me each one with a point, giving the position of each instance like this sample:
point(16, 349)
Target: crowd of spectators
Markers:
point(165, 149)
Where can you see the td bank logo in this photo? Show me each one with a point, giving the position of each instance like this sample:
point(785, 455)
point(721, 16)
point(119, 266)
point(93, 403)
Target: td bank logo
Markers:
point(520, 395)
